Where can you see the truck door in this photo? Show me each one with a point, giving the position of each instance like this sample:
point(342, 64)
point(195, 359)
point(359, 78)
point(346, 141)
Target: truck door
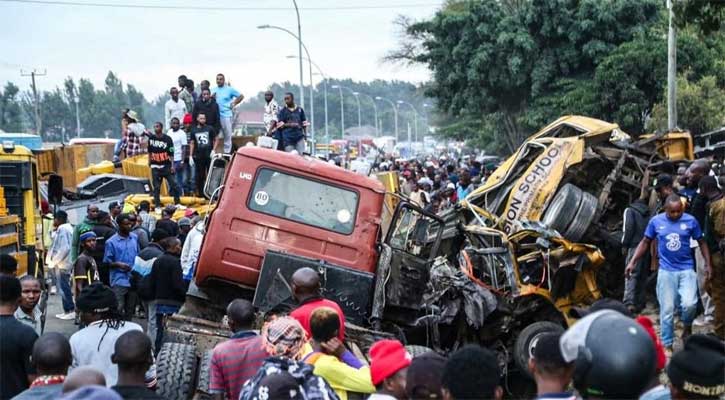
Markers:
point(408, 251)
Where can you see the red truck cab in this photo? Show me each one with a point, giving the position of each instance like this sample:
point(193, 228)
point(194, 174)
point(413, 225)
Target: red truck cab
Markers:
point(283, 202)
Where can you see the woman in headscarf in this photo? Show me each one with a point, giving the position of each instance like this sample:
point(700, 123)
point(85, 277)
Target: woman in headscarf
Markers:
point(284, 339)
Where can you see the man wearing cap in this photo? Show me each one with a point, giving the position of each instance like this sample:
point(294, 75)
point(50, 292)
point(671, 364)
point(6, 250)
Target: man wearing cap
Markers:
point(89, 221)
point(184, 228)
point(58, 259)
point(132, 142)
point(676, 279)
point(698, 370)
point(85, 270)
point(389, 364)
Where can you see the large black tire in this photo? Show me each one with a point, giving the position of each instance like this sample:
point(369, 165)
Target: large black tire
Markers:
point(583, 218)
point(562, 208)
point(204, 371)
point(527, 339)
point(176, 371)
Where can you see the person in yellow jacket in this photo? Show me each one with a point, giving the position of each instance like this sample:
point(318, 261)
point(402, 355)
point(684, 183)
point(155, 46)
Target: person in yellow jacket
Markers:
point(331, 360)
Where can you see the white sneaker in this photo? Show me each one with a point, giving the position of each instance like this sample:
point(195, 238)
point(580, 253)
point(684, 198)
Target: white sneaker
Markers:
point(700, 321)
point(66, 316)
point(53, 290)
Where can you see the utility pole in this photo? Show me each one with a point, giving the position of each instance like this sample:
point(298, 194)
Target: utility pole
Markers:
point(671, 70)
point(36, 99)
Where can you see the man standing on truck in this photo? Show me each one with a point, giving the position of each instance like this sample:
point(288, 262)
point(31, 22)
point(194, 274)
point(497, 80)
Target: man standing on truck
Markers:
point(178, 136)
point(161, 154)
point(236, 360)
point(676, 278)
point(208, 106)
point(204, 139)
point(271, 108)
point(292, 124)
point(120, 254)
point(174, 108)
point(227, 97)
point(306, 290)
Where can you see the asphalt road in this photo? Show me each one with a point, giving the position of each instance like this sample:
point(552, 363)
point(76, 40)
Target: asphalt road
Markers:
point(67, 328)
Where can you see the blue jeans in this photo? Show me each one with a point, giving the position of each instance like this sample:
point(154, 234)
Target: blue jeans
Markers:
point(190, 178)
point(62, 280)
point(676, 289)
point(180, 176)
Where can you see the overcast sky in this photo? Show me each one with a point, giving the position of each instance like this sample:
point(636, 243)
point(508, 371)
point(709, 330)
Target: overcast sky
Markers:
point(151, 47)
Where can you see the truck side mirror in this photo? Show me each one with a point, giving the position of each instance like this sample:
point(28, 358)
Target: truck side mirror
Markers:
point(55, 189)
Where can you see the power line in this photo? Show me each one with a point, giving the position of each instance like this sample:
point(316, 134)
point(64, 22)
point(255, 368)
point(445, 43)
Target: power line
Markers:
point(201, 8)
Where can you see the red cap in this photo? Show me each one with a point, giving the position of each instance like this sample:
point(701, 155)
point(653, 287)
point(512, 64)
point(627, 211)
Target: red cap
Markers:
point(386, 358)
point(659, 349)
point(187, 119)
point(189, 212)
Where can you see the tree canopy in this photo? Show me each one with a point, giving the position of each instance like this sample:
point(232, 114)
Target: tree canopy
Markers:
point(506, 68)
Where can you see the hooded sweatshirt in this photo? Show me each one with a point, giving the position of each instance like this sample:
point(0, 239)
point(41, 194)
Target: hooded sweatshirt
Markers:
point(636, 217)
point(210, 109)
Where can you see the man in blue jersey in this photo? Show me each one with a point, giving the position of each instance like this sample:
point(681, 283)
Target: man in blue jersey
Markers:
point(676, 279)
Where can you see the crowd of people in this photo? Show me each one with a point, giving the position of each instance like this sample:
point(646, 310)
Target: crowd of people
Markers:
point(300, 354)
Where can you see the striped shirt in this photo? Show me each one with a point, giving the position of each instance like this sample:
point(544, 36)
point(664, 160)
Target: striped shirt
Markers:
point(235, 361)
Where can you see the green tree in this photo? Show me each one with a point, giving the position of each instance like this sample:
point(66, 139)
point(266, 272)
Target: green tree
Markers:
point(699, 106)
point(10, 112)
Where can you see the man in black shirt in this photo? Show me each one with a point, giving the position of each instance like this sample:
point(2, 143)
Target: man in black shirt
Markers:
point(208, 106)
point(132, 354)
point(161, 156)
point(204, 139)
point(16, 342)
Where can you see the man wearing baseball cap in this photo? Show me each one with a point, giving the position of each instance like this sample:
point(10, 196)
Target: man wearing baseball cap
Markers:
point(389, 364)
point(697, 371)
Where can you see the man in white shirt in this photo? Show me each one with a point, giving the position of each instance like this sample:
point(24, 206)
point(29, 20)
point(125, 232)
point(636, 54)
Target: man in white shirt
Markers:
point(174, 107)
point(270, 112)
point(94, 345)
point(178, 136)
point(58, 260)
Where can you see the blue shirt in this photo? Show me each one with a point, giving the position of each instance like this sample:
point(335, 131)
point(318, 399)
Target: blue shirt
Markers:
point(291, 135)
point(673, 240)
point(224, 96)
point(462, 192)
point(121, 249)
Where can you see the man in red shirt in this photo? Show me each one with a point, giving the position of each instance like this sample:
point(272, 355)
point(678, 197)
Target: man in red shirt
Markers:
point(235, 361)
point(306, 290)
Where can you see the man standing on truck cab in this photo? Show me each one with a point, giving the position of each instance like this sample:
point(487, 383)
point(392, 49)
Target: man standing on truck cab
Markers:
point(306, 290)
point(174, 108)
point(227, 98)
point(236, 360)
point(204, 139)
point(120, 254)
point(161, 155)
point(292, 124)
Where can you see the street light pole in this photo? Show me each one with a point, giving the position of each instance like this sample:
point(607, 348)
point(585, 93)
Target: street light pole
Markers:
point(395, 111)
point(279, 28)
point(671, 70)
point(299, 51)
point(415, 114)
point(342, 109)
point(359, 124)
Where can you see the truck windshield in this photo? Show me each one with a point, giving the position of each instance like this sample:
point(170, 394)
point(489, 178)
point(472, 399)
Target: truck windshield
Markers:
point(303, 200)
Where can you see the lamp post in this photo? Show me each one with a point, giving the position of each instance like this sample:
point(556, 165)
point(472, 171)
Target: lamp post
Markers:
point(324, 81)
point(395, 111)
point(78, 115)
point(342, 110)
point(359, 121)
point(301, 45)
point(299, 52)
point(415, 113)
point(359, 115)
point(375, 111)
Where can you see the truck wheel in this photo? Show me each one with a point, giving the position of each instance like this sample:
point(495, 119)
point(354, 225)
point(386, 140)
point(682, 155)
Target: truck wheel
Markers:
point(583, 217)
point(204, 370)
point(559, 214)
point(415, 350)
point(176, 371)
point(527, 340)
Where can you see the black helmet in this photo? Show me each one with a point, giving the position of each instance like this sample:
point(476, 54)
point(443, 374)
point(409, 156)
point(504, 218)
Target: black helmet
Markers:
point(613, 355)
